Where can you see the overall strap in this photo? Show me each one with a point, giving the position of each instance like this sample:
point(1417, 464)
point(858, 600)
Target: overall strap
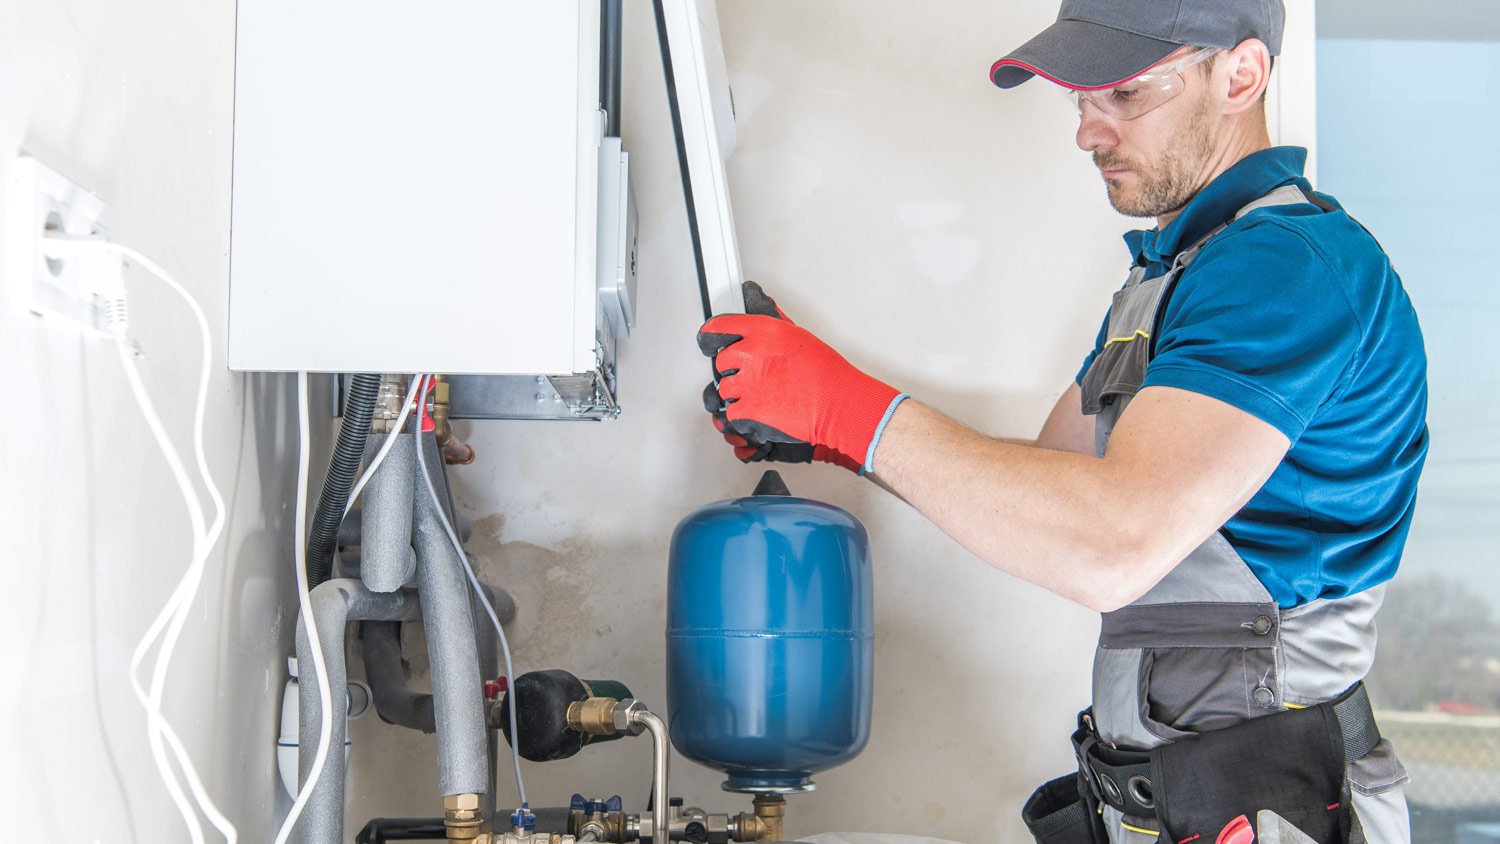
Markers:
point(1284, 195)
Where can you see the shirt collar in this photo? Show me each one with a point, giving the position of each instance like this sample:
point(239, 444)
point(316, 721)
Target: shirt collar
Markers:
point(1249, 179)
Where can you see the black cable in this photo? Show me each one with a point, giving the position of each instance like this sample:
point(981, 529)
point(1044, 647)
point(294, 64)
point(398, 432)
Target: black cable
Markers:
point(343, 469)
point(682, 156)
point(609, 65)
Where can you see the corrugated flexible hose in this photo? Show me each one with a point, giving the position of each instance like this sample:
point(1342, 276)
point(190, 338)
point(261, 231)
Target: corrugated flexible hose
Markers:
point(343, 468)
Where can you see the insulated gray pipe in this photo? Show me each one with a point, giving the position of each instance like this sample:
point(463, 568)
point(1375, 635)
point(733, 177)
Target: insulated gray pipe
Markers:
point(351, 529)
point(458, 700)
point(489, 667)
point(395, 701)
point(504, 607)
point(386, 560)
point(334, 604)
point(380, 641)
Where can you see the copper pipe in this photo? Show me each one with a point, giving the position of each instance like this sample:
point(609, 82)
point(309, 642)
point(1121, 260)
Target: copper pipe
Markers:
point(455, 450)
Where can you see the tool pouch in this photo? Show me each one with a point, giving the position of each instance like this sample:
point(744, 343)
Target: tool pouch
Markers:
point(1291, 763)
point(1285, 772)
point(1064, 812)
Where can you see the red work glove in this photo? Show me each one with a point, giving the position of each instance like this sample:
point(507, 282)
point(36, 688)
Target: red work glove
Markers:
point(784, 395)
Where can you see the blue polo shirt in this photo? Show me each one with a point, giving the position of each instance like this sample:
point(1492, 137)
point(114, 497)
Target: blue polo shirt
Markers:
point(1294, 315)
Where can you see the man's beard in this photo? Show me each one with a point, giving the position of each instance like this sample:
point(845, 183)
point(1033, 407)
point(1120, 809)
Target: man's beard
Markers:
point(1166, 185)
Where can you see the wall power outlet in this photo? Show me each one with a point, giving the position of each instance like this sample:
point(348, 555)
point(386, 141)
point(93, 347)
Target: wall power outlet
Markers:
point(44, 202)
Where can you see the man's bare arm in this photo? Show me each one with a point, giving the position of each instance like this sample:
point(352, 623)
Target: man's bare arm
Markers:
point(1066, 429)
point(1100, 531)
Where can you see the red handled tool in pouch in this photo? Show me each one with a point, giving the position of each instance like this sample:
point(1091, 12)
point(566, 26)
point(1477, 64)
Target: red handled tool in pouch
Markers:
point(782, 394)
point(1237, 831)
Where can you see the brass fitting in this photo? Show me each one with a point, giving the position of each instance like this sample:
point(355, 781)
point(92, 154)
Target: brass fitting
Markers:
point(770, 809)
point(440, 409)
point(745, 827)
point(765, 824)
point(462, 819)
point(593, 716)
point(455, 451)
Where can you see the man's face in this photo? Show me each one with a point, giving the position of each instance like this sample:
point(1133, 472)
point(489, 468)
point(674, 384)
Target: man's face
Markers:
point(1153, 165)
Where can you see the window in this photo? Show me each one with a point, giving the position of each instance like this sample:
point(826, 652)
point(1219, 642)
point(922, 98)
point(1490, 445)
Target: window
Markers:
point(1409, 143)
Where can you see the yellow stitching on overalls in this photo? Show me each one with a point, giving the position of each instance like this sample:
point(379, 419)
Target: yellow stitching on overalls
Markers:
point(1139, 332)
point(1138, 829)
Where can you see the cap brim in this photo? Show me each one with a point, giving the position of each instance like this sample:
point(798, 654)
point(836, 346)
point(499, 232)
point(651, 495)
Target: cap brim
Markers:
point(1081, 55)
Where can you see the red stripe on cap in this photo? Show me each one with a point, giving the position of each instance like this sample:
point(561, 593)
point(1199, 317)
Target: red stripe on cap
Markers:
point(1050, 78)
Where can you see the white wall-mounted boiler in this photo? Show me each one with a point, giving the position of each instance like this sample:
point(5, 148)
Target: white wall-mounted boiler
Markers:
point(417, 189)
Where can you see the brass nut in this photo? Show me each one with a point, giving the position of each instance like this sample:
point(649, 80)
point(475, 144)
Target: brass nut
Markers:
point(629, 717)
point(461, 802)
point(594, 716)
point(462, 819)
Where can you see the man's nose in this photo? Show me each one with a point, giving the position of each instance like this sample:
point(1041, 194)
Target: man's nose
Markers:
point(1095, 129)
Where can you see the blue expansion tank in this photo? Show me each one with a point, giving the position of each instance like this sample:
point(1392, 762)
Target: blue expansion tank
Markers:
point(770, 638)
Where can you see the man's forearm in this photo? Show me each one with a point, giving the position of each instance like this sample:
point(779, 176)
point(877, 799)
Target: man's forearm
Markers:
point(1098, 530)
point(1032, 512)
point(1017, 441)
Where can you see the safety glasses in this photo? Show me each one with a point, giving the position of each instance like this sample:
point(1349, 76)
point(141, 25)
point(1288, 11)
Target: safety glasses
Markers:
point(1149, 91)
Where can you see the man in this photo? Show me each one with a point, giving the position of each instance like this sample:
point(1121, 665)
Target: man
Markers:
point(1229, 480)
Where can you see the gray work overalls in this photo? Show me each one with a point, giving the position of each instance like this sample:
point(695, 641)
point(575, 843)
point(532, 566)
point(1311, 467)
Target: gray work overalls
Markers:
point(1207, 647)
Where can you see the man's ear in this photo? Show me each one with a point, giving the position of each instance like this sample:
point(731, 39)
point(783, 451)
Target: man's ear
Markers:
point(1249, 72)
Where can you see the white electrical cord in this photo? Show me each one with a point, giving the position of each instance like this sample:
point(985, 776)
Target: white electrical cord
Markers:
point(385, 447)
point(173, 614)
point(310, 624)
point(170, 620)
point(510, 674)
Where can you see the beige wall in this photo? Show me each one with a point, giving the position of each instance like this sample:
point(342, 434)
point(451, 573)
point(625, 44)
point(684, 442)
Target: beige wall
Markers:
point(944, 235)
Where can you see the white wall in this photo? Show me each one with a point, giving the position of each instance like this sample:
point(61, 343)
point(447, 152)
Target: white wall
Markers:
point(133, 101)
point(945, 235)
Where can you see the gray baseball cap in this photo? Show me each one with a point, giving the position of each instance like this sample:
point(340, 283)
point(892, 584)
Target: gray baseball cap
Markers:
point(1100, 43)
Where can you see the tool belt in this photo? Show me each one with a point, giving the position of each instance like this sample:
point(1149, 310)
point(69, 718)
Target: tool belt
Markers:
point(1286, 769)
